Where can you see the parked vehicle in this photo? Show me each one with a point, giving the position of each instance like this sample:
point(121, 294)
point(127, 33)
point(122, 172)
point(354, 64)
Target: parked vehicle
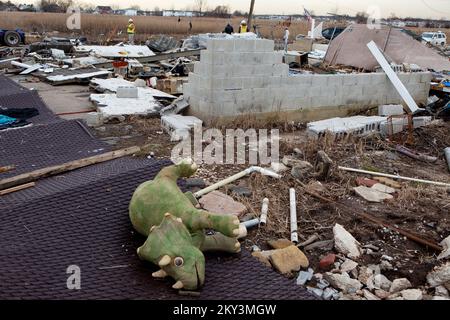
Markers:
point(12, 38)
point(412, 34)
point(332, 33)
point(435, 38)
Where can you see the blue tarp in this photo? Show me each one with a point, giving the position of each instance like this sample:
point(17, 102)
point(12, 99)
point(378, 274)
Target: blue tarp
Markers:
point(5, 120)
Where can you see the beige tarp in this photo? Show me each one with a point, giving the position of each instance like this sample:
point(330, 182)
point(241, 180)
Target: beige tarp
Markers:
point(350, 49)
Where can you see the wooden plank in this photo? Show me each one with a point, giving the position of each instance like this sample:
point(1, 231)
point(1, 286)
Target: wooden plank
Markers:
point(68, 166)
point(6, 168)
point(17, 188)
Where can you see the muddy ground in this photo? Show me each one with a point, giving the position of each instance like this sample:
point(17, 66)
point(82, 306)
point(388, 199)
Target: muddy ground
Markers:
point(418, 208)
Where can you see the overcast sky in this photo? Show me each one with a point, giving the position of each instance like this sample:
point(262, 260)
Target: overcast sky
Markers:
point(403, 8)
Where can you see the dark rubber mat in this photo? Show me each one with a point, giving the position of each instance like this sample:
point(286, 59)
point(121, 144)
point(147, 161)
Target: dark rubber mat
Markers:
point(68, 180)
point(44, 145)
point(12, 95)
point(8, 87)
point(88, 226)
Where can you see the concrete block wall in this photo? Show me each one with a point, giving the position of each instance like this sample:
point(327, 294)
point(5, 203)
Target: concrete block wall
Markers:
point(237, 77)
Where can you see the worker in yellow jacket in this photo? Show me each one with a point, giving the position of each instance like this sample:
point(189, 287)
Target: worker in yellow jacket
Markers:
point(243, 27)
point(131, 29)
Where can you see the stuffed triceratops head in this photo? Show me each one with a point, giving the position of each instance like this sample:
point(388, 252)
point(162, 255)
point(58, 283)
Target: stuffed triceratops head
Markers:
point(170, 246)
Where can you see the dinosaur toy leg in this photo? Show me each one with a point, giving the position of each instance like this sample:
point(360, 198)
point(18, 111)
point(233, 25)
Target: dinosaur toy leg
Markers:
point(226, 224)
point(219, 242)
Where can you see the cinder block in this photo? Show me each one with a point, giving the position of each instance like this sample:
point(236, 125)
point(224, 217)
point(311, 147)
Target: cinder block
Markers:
point(222, 45)
point(319, 80)
point(279, 70)
point(363, 79)
point(390, 110)
point(425, 77)
point(334, 80)
point(349, 80)
point(304, 79)
point(264, 45)
point(245, 45)
point(393, 127)
point(421, 121)
point(379, 79)
point(370, 91)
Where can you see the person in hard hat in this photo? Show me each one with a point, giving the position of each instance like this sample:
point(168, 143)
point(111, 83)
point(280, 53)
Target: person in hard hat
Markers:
point(243, 27)
point(286, 39)
point(131, 29)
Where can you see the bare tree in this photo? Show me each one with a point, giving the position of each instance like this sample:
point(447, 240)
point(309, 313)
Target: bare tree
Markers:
point(200, 5)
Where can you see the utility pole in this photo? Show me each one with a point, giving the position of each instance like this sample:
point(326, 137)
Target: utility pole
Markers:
point(250, 15)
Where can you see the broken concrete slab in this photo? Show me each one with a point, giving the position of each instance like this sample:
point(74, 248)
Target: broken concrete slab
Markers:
point(289, 259)
point(280, 243)
point(127, 92)
point(117, 51)
point(440, 276)
point(76, 77)
point(343, 282)
point(399, 285)
point(383, 188)
point(381, 282)
point(110, 106)
point(446, 251)
point(372, 195)
point(345, 243)
point(219, 202)
point(278, 167)
point(178, 126)
point(112, 84)
point(412, 294)
point(348, 265)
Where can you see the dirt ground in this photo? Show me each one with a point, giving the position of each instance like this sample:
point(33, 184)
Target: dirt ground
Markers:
point(418, 208)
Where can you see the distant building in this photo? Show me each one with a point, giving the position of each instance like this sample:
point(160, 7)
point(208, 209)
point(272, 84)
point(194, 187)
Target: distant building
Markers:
point(103, 10)
point(130, 12)
point(8, 6)
point(52, 7)
point(179, 13)
point(26, 7)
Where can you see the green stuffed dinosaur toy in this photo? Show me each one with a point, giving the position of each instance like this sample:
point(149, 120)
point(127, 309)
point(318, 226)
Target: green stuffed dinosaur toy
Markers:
point(175, 228)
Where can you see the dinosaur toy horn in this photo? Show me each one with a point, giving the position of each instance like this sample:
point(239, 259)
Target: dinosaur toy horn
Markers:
point(178, 285)
point(164, 261)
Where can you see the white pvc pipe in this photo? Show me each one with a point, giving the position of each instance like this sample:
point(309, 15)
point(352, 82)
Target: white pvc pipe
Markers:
point(264, 210)
point(292, 202)
point(378, 174)
point(235, 177)
point(447, 156)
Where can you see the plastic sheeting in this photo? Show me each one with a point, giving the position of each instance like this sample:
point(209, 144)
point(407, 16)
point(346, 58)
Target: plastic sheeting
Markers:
point(350, 49)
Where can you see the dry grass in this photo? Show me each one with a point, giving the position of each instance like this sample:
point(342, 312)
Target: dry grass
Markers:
point(94, 26)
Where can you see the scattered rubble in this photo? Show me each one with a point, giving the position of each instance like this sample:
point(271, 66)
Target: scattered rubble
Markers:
point(345, 243)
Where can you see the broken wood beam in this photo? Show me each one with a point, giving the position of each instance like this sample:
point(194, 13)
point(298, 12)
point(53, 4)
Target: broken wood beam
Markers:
point(379, 222)
point(17, 188)
point(68, 166)
point(6, 168)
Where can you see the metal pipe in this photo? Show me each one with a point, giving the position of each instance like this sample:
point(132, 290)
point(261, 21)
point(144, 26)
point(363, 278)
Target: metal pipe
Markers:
point(447, 156)
point(379, 174)
point(235, 177)
point(292, 202)
point(250, 223)
point(264, 210)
